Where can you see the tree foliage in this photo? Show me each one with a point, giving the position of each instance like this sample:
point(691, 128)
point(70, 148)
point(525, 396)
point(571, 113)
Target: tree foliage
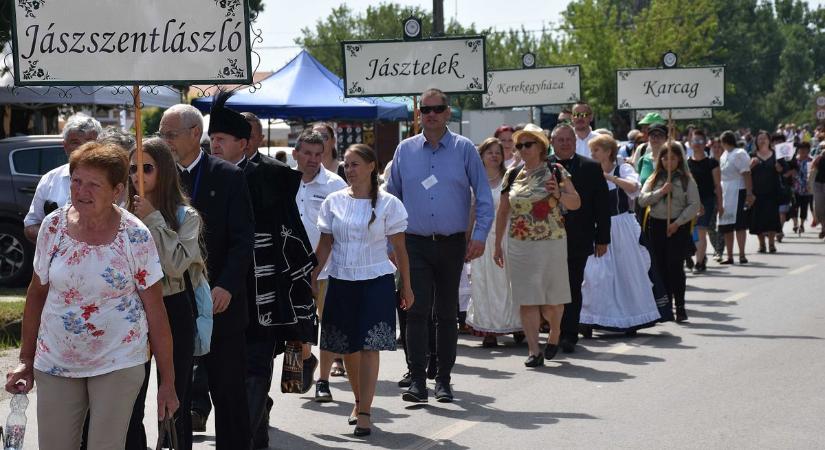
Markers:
point(773, 51)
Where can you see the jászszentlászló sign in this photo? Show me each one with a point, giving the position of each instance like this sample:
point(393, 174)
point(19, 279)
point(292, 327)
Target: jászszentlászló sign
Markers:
point(694, 87)
point(532, 87)
point(128, 42)
point(376, 68)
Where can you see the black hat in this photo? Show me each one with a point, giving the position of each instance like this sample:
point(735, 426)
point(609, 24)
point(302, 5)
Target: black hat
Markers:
point(225, 120)
point(658, 128)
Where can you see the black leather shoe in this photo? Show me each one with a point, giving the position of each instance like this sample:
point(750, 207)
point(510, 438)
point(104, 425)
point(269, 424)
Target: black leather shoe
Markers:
point(443, 393)
point(198, 422)
point(550, 351)
point(567, 346)
point(309, 373)
point(361, 432)
point(405, 380)
point(681, 315)
point(322, 392)
point(534, 360)
point(416, 393)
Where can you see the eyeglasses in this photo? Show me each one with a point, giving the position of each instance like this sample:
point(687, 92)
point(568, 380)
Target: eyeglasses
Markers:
point(698, 141)
point(527, 144)
point(147, 168)
point(438, 109)
point(170, 135)
point(580, 115)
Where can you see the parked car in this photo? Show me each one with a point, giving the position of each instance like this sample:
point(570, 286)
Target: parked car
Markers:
point(23, 160)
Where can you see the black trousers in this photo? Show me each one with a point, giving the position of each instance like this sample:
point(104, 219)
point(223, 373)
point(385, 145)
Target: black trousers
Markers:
point(226, 372)
point(261, 352)
point(669, 253)
point(200, 389)
point(435, 272)
point(573, 310)
point(179, 309)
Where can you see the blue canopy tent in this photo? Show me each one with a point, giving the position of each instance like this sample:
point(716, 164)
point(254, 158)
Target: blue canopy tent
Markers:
point(304, 89)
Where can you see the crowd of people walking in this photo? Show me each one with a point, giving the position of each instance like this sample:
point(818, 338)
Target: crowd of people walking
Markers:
point(216, 262)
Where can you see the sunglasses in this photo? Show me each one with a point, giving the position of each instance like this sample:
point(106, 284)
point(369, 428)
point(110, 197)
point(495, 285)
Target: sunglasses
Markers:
point(580, 115)
point(438, 109)
point(699, 141)
point(147, 168)
point(527, 144)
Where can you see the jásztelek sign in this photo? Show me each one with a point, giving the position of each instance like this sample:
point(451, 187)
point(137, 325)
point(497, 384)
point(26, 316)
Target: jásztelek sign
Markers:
point(378, 68)
point(131, 42)
point(693, 87)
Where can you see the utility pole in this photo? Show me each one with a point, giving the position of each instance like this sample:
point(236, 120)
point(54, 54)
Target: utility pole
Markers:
point(438, 17)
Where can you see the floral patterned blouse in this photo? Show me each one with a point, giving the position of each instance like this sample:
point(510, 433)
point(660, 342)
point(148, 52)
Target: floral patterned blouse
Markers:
point(93, 320)
point(534, 214)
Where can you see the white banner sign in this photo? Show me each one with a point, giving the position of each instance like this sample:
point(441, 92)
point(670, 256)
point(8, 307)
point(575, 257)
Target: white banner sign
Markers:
point(131, 42)
point(375, 68)
point(677, 114)
point(532, 87)
point(695, 87)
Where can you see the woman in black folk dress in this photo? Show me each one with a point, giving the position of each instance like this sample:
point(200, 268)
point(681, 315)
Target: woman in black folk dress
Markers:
point(765, 172)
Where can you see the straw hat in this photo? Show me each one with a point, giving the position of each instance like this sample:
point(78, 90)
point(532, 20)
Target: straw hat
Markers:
point(534, 131)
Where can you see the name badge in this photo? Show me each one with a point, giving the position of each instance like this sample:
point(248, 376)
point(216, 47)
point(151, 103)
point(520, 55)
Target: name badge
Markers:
point(429, 182)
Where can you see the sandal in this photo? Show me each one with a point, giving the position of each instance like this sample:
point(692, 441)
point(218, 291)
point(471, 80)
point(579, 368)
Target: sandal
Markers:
point(338, 369)
point(361, 432)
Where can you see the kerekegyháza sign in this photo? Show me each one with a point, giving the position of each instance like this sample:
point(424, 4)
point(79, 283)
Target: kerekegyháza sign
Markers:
point(532, 87)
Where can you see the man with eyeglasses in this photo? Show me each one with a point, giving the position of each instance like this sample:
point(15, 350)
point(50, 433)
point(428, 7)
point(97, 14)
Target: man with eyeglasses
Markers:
point(434, 173)
point(582, 115)
point(52, 190)
point(218, 191)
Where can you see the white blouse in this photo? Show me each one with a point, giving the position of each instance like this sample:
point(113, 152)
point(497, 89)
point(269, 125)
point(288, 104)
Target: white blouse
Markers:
point(359, 251)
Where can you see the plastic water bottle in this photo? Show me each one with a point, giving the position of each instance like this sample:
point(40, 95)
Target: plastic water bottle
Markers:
point(16, 423)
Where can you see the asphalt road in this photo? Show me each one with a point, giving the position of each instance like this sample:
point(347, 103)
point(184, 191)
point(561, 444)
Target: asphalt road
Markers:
point(745, 372)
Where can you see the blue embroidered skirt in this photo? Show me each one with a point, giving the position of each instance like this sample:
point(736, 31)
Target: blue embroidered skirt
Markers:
point(359, 315)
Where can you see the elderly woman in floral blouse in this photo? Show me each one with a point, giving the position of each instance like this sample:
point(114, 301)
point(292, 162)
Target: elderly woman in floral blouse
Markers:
point(93, 308)
point(537, 239)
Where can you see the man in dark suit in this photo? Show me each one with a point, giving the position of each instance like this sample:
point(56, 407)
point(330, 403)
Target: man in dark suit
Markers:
point(588, 228)
point(219, 192)
point(256, 138)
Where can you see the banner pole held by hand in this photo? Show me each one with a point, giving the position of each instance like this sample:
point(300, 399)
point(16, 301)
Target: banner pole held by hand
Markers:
point(670, 132)
point(138, 139)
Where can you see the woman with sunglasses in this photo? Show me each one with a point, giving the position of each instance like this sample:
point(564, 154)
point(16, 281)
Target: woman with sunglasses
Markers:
point(537, 244)
point(668, 224)
point(178, 244)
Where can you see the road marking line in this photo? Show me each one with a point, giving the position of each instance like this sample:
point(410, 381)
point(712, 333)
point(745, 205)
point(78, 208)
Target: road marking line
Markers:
point(621, 349)
point(735, 297)
point(802, 269)
point(448, 432)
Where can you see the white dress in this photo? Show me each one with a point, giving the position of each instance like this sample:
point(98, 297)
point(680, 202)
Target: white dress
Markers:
point(491, 307)
point(732, 165)
point(617, 293)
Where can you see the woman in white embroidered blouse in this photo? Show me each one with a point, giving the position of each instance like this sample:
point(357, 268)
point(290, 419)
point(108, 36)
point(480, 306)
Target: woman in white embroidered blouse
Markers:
point(359, 314)
point(93, 308)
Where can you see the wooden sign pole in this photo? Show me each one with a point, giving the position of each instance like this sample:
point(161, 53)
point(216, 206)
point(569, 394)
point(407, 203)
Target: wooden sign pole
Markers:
point(670, 132)
point(138, 138)
point(416, 115)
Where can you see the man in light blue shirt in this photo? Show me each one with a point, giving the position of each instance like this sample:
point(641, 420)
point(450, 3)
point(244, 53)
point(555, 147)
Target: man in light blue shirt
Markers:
point(434, 173)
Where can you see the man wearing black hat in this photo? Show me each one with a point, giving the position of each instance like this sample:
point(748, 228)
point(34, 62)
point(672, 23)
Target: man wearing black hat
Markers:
point(219, 192)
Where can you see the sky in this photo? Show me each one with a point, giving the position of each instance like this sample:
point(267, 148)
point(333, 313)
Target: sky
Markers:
point(282, 20)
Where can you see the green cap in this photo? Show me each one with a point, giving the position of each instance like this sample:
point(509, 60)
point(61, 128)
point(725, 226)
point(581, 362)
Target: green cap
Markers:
point(651, 119)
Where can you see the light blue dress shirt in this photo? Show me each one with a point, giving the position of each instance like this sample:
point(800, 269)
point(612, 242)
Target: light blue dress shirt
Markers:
point(442, 207)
